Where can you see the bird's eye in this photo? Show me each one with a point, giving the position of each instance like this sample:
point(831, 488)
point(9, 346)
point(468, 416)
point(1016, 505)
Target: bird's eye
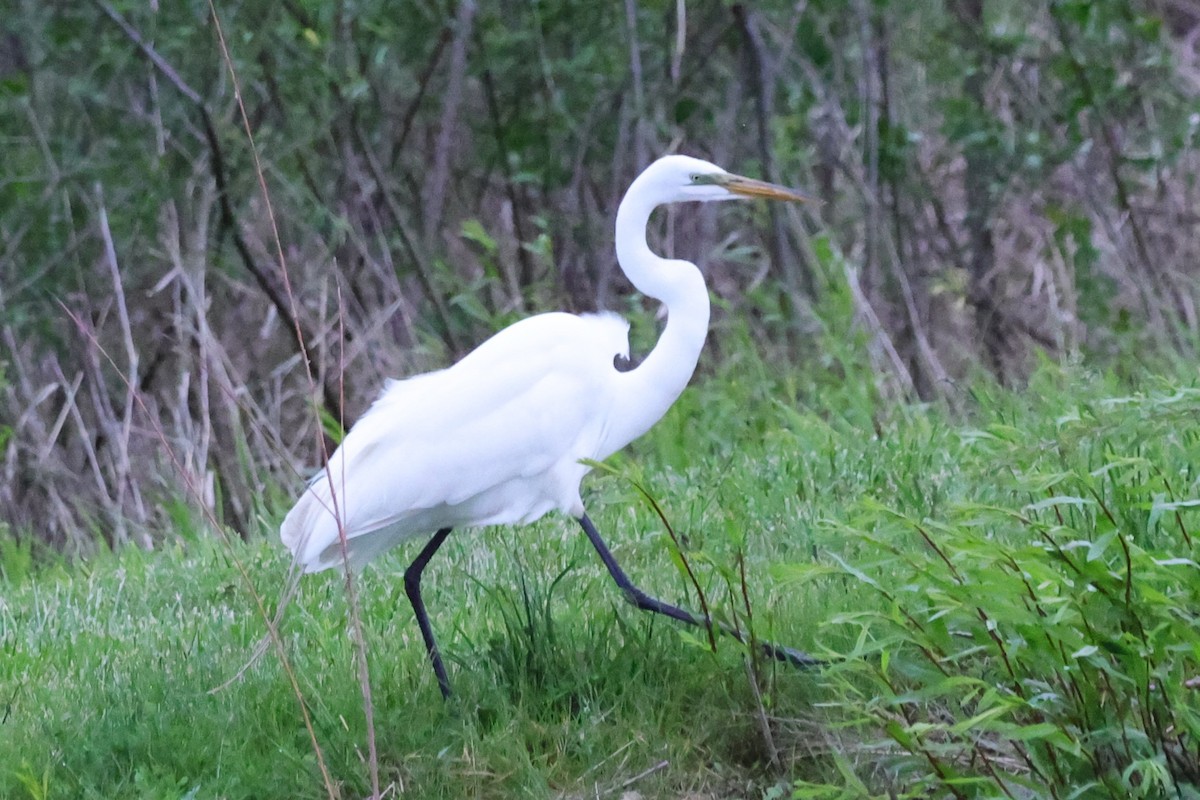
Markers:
point(695, 177)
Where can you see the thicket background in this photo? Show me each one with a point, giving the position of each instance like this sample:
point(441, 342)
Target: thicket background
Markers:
point(1002, 182)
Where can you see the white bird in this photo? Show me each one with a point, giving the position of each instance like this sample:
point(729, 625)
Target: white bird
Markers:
point(500, 437)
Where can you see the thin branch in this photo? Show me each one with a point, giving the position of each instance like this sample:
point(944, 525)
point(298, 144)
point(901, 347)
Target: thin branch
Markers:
point(439, 172)
point(120, 441)
point(422, 86)
point(421, 266)
point(763, 76)
point(510, 183)
point(195, 492)
point(284, 303)
point(286, 310)
point(639, 92)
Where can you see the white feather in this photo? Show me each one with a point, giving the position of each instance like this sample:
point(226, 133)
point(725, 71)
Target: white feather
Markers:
point(497, 438)
point(494, 439)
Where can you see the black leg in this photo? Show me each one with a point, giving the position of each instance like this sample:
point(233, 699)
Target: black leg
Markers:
point(412, 587)
point(647, 603)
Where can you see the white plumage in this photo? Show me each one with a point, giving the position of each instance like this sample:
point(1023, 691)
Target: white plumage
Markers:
point(499, 436)
point(495, 439)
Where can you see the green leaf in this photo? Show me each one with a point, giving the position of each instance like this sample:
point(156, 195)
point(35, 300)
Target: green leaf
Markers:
point(802, 573)
point(473, 231)
point(1061, 500)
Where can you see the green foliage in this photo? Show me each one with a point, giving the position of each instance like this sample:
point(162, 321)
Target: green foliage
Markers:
point(414, 232)
point(1007, 601)
point(16, 557)
point(1018, 596)
point(1038, 633)
point(126, 655)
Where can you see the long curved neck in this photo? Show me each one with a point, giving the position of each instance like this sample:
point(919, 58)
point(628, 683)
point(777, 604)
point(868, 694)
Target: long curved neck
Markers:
point(650, 389)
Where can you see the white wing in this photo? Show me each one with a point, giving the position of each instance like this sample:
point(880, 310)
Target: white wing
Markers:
point(496, 438)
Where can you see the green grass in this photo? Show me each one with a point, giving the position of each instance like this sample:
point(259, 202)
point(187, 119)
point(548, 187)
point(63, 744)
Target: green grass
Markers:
point(1017, 589)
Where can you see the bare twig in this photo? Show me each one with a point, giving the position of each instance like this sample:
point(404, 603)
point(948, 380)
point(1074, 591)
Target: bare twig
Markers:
point(120, 441)
point(356, 628)
point(639, 92)
point(285, 310)
point(355, 617)
point(751, 662)
point(284, 303)
point(797, 274)
point(439, 172)
point(247, 582)
point(410, 115)
point(644, 774)
point(424, 271)
point(510, 184)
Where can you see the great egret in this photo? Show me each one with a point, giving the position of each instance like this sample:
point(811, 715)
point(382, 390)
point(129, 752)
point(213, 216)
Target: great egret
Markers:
point(499, 437)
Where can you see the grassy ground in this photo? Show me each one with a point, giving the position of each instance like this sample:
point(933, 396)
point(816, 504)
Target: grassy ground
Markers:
point(1016, 587)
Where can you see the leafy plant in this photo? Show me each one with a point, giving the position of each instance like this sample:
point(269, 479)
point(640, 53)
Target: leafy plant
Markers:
point(1044, 637)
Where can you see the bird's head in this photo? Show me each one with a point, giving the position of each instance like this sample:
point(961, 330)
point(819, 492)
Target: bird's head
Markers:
point(675, 179)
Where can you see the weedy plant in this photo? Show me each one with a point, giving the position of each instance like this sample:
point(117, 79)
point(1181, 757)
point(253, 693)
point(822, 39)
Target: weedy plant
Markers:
point(1041, 639)
point(1008, 609)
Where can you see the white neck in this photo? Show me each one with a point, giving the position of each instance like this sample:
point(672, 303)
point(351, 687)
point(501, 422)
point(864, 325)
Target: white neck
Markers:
point(650, 389)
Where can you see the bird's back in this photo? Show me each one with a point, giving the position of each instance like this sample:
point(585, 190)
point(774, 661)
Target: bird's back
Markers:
point(496, 438)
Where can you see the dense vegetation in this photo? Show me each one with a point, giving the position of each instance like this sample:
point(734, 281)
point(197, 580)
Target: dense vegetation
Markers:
point(999, 180)
point(944, 432)
point(1010, 602)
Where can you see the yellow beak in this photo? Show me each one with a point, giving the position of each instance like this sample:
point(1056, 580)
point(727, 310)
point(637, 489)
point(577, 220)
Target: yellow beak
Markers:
point(749, 187)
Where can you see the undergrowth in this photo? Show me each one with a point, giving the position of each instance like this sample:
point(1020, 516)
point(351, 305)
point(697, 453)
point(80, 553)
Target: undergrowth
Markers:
point(1006, 598)
point(1034, 634)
